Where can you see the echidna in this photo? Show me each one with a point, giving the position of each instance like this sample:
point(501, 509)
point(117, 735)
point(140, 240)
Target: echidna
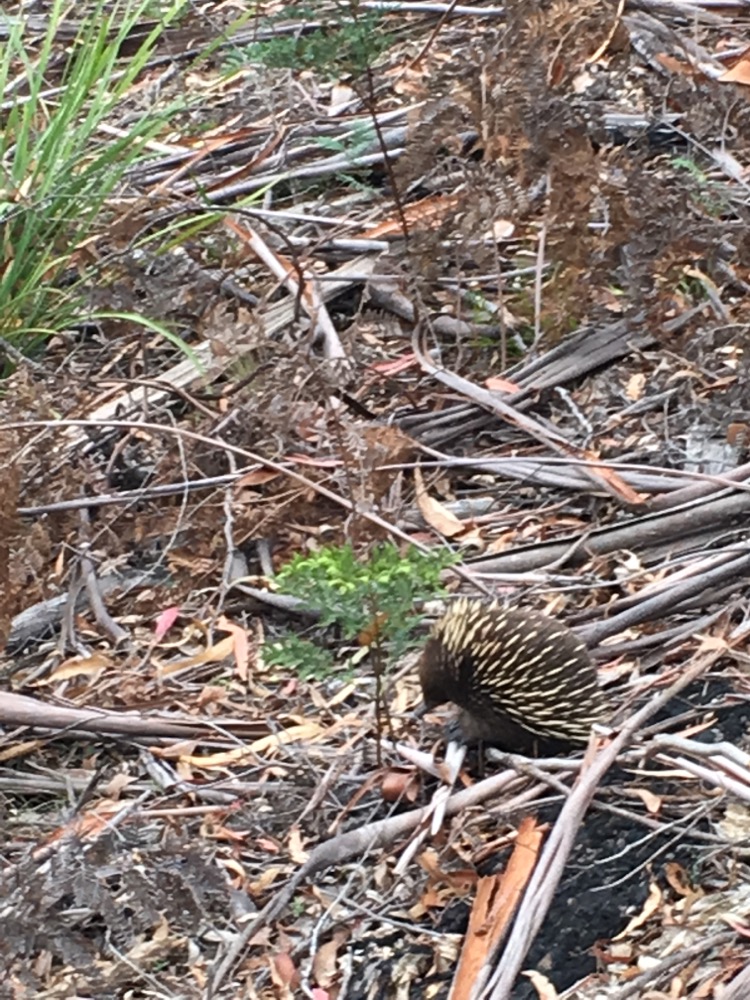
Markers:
point(520, 678)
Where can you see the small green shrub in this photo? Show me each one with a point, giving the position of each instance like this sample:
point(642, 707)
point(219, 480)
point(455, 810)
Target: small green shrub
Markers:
point(305, 658)
point(371, 601)
point(346, 41)
point(707, 192)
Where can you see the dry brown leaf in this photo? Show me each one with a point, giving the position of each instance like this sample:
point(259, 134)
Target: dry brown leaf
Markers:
point(175, 750)
point(716, 385)
point(115, 786)
point(60, 564)
point(429, 859)
point(542, 985)
point(652, 904)
point(738, 435)
point(739, 72)
point(240, 646)
point(364, 788)
point(211, 694)
point(325, 964)
point(283, 971)
point(400, 364)
point(218, 761)
point(214, 654)
point(162, 931)
point(74, 667)
point(498, 384)
point(432, 209)
point(651, 801)
point(294, 845)
point(708, 988)
point(373, 629)
point(268, 845)
point(616, 482)
point(267, 877)
point(258, 477)
point(678, 879)
point(443, 887)
point(677, 66)
point(434, 897)
point(308, 732)
point(87, 825)
point(461, 880)
point(20, 749)
point(636, 385)
point(144, 954)
point(712, 643)
point(398, 785)
point(233, 866)
point(341, 696)
point(434, 513)
point(219, 833)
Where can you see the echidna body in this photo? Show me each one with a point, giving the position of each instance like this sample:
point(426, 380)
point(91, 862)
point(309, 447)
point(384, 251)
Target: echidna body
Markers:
point(515, 675)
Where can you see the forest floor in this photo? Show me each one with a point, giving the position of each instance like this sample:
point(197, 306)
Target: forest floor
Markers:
point(467, 277)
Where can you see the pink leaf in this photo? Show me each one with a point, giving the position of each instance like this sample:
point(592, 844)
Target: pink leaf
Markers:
point(165, 621)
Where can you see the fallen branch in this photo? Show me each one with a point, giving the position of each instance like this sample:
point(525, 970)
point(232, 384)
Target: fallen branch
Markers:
point(689, 526)
point(21, 710)
point(352, 844)
point(548, 872)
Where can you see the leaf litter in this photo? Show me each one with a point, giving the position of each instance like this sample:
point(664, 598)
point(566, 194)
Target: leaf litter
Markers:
point(524, 334)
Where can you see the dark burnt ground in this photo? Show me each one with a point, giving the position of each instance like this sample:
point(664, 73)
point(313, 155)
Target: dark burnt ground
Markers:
point(560, 343)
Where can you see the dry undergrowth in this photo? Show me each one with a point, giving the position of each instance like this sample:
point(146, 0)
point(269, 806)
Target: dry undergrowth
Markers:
point(576, 233)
